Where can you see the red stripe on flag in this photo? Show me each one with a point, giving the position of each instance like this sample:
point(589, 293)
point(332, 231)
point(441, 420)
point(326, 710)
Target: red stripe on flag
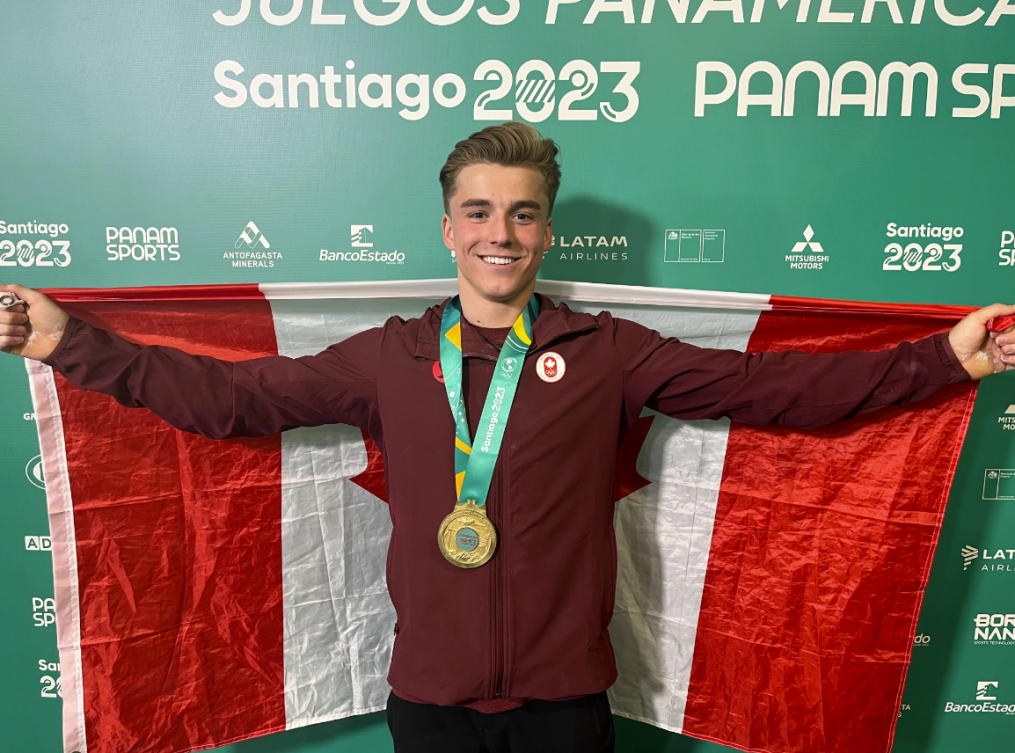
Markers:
point(179, 551)
point(820, 554)
point(163, 293)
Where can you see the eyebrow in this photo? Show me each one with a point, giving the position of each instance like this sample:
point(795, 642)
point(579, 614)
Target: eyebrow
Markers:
point(522, 204)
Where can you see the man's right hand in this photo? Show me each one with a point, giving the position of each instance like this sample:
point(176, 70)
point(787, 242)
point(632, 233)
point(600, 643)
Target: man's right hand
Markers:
point(33, 329)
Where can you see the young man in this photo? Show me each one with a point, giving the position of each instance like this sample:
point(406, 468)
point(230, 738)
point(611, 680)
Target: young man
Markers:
point(502, 640)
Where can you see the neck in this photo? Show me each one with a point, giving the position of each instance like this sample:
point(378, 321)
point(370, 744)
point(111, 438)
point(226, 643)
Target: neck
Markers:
point(484, 312)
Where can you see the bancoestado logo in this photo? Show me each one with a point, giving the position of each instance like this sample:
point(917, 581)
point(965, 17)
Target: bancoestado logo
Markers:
point(922, 248)
point(994, 630)
point(142, 244)
point(590, 248)
point(808, 253)
point(994, 560)
point(52, 250)
point(985, 693)
point(253, 250)
point(361, 249)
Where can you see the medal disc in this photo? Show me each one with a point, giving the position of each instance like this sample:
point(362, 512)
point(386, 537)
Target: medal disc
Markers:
point(466, 537)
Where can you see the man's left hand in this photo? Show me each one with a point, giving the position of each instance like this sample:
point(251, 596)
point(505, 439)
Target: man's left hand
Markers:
point(981, 352)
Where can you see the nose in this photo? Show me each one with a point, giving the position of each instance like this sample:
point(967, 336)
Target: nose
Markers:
point(500, 231)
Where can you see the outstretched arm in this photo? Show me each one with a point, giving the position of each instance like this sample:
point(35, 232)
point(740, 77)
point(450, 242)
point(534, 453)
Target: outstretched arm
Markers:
point(199, 394)
point(801, 389)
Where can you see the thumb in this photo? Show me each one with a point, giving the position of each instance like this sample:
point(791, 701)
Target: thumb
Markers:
point(984, 315)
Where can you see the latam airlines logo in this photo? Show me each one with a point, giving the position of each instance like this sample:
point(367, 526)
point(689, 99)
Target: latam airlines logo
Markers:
point(253, 251)
point(591, 247)
point(808, 253)
point(986, 691)
point(1000, 561)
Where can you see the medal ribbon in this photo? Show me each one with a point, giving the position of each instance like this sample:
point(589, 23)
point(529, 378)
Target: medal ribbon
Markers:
point(474, 465)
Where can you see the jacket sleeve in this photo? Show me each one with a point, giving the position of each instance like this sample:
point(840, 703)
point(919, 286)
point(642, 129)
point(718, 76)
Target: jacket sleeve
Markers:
point(220, 399)
point(785, 387)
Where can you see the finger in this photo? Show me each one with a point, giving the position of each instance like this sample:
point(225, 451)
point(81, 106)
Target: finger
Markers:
point(12, 330)
point(13, 316)
point(984, 315)
point(6, 343)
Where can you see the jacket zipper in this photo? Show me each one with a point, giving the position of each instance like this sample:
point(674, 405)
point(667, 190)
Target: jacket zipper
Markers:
point(498, 603)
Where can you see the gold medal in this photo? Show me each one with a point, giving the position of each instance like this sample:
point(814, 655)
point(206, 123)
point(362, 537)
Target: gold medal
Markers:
point(467, 538)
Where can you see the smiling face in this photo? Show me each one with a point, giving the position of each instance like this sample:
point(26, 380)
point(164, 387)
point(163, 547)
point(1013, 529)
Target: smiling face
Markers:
point(498, 226)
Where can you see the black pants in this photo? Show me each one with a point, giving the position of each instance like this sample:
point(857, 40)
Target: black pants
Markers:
point(582, 725)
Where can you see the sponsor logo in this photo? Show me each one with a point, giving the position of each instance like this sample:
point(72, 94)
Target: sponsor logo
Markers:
point(29, 250)
point(1007, 252)
point(695, 245)
point(986, 691)
point(591, 247)
point(969, 553)
point(1000, 561)
point(38, 543)
point(359, 235)
point(142, 244)
point(808, 253)
point(994, 630)
point(551, 367)
point(904, 707)
point(982, 688)
point(1007, 419)
point(29, 416)
point(251, 237)
point(999, 483)
point(921, 640)
point(43, 611)
point(361, 249)
point(50, 681)
point(918, 256)
point(253, 250)
point(34, 472)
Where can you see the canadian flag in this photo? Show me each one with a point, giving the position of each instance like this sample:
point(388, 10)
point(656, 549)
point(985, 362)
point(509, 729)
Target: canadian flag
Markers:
point(211, 591)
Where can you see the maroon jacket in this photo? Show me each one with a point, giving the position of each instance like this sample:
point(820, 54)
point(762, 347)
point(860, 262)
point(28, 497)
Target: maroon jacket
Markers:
point(533, 622)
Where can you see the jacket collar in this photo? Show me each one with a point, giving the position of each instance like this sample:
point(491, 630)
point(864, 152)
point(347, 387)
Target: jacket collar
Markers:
point(554, 322)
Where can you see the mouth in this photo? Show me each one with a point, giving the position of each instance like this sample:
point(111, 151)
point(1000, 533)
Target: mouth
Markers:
point(499, 261)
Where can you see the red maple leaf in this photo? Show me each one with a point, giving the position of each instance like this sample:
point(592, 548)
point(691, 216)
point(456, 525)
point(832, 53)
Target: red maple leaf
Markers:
point(627, 480)
point(372, 478)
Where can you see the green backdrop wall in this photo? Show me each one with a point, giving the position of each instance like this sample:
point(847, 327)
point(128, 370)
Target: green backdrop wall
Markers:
point(854, 149)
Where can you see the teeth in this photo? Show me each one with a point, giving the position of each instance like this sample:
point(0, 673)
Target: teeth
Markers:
point(498, 259)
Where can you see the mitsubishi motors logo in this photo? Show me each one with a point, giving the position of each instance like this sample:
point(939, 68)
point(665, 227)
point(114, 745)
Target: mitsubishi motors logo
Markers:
point(969, 553)
point(251, 236)
point(808, 253)
point(807, 242)
point(982, 688)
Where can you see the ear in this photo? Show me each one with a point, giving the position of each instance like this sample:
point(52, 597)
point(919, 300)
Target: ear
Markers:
point(548, 236)
point(448, 232)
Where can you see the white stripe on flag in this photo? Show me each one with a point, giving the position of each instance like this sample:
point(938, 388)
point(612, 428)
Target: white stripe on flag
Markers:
point(338, 618)
point(65, 562)
point(556, 289)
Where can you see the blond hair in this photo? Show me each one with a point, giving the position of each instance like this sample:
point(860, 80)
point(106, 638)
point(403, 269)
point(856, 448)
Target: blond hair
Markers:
point(511, 144)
